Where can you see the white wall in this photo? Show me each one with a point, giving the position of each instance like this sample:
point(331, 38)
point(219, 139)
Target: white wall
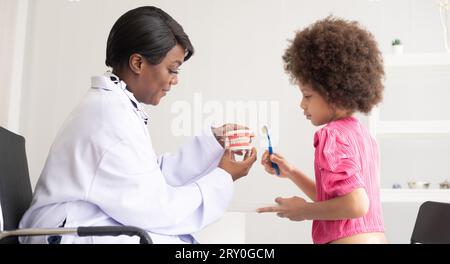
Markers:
point(238, 57)
point(6, 35)
point(13, 30)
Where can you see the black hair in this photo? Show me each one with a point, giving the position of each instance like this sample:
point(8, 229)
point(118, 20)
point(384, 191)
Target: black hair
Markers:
point(148, 31)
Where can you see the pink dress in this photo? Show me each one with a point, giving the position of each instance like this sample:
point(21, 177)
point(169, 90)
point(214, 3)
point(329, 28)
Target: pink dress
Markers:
point(346, 158)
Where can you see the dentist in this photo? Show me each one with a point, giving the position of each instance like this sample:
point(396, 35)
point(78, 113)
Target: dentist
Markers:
point(102, 169)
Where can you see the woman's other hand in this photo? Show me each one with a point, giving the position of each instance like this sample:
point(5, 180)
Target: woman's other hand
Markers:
point(237, 169)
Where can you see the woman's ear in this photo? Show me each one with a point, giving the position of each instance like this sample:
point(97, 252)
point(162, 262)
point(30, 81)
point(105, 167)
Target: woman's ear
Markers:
point(135, 63)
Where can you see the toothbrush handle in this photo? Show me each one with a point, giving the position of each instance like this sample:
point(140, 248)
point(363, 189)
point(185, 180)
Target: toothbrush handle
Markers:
point(274, 165)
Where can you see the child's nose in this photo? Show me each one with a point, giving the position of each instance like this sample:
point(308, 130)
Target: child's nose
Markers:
point(302, 104)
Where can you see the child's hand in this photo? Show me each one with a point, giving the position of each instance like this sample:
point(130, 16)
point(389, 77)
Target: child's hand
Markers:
point(285, 167)
point(291, 208)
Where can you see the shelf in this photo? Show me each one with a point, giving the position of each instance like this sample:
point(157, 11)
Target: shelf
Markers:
point(413, 127)
point(402, 127)
point(415, 195)
point(417, 59)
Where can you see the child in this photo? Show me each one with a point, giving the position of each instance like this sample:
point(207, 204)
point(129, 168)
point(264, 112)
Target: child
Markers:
point(339, 69)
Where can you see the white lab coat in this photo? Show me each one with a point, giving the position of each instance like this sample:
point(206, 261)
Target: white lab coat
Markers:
point(102, 170)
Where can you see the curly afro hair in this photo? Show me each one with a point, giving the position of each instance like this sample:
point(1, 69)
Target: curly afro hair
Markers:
point(340, 60)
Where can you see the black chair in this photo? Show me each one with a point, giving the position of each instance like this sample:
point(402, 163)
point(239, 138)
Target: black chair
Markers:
point(432, 224)
point(16, 195)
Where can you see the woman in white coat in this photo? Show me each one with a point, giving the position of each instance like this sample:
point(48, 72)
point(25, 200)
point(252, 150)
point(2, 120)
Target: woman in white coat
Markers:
point(102, 170)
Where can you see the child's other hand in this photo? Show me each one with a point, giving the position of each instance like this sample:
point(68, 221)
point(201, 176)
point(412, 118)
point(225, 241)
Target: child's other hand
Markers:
point(291, 208)
point(285, 167)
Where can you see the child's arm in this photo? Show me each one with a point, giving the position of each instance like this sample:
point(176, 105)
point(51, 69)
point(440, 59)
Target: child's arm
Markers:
point(352, 205)
point(306, 184)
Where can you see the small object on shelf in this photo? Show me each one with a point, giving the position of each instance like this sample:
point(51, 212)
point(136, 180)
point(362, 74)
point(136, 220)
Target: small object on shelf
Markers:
point(397, 46)
point(396, 186)
point(418, 185)
point(444, 185)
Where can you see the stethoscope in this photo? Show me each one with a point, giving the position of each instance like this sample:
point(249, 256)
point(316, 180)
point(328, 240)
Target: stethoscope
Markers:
point(116, 80)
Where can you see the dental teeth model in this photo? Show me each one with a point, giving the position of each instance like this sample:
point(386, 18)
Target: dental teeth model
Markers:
point(238, 140)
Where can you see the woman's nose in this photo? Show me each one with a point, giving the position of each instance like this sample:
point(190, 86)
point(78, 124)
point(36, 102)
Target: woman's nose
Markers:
point(174, 81)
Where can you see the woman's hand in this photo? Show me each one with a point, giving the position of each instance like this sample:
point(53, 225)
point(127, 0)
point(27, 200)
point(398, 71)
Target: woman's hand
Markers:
point(292, 208)
point(237, 169)
point(285, 167)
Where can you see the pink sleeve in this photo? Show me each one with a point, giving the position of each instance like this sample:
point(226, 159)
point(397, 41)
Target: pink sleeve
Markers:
point(339, 168)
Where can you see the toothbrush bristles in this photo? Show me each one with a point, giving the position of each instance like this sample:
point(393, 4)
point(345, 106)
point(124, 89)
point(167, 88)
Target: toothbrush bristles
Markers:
point(264, 130)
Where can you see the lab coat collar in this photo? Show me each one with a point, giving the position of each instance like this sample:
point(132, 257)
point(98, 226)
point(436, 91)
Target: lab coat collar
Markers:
point(111, 82)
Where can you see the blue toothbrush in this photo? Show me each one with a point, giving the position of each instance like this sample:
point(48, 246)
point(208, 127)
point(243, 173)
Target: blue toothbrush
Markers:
point(265, 131)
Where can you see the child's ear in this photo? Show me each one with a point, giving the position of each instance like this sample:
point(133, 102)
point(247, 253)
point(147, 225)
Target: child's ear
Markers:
point(332, 106)
point(135, 63)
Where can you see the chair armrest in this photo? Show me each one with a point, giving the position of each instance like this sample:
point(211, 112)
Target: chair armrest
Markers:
point(115, 231)
point(82, 231)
